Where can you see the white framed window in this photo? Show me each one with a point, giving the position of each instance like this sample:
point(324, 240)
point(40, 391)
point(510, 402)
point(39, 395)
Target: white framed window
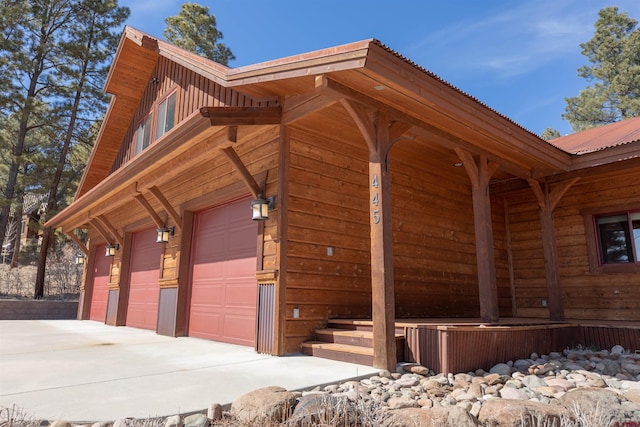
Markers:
point(166, 115)
point(143, 134)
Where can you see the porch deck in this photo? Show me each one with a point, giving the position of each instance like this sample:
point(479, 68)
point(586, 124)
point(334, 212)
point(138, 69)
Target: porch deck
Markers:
point(466, 344)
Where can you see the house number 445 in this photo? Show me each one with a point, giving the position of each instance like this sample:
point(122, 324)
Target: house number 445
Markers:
point(375, 201)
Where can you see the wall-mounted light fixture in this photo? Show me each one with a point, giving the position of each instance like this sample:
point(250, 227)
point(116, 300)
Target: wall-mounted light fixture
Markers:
point(80, 259)
point(458, 164)
point(163, 234)
point(111, 249)
point(260, 207)
point(155, 80)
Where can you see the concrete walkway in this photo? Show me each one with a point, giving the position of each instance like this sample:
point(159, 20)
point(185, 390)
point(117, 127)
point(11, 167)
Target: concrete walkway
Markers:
point(87, 371)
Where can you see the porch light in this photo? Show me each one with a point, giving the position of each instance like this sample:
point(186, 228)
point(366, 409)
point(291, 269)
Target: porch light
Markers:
point(111, 249)
point(80, 259)
point(163, 234)
point(260, 208)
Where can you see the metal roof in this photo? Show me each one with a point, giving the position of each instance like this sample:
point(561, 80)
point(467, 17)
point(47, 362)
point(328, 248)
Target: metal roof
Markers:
point(601, 137)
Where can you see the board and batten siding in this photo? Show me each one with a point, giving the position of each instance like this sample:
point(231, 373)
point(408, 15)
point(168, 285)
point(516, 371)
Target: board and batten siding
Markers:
point(193, 92)
point(587, 294)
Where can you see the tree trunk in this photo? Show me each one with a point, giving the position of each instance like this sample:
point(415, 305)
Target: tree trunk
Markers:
point(52, 201)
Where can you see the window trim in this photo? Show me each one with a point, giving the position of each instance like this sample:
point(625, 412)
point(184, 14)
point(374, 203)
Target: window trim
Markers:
point(593, 244)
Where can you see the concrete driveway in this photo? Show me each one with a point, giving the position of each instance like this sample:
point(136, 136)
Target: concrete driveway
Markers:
point(87, 371)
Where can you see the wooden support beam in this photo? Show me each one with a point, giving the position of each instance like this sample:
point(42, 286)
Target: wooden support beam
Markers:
point(364, 122)
point(547, 202)
point(105, 222)
point(244, 172)
point(334, 90)
point(232, 133)
point(78, 242)
point(101, 230)
point(375, 130)
point(480, 173)
point(175, 216)
point(299, 106)
point(236, 116)
point(147, 207)
point(382, 280)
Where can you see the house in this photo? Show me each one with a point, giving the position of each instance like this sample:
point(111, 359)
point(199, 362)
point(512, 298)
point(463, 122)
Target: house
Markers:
point(24, 229)
point(382, 193)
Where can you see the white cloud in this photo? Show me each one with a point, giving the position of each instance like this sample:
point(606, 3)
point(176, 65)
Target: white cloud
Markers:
point(512, 41)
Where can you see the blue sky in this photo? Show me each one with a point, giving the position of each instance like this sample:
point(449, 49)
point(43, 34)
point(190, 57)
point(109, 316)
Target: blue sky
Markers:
point(519, 57)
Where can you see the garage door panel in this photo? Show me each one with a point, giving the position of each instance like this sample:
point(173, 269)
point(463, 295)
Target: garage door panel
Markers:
point(240, 296)
point(223, 283)
point(210, 269)
point(144, 291)
point(211, 293)
point(209, 325)
point(242, 325)
point(237, 268)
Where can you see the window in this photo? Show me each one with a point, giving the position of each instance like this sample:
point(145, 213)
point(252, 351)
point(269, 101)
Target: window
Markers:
point(613, 238)
point(166, 115)
point(618, 237)
point(143, 134)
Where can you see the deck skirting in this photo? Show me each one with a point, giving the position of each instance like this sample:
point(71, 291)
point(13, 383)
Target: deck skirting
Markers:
point(449, 348)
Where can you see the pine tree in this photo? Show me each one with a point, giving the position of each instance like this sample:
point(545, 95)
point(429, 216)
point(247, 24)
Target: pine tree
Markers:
point(194, 29)
point(614, 70)
point(82, 73)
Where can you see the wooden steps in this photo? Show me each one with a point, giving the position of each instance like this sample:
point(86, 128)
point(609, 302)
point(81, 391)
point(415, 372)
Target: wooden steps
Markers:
point(348, 341)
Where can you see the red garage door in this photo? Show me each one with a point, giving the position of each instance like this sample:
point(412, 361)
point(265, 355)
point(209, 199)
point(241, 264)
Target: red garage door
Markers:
point(100, 292)
point(144, 291)
point(223, 268)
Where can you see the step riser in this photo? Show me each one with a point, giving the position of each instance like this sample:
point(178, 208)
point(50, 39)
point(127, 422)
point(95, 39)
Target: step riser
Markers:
point(357, 327)
point(339, 355)
point(341, 339)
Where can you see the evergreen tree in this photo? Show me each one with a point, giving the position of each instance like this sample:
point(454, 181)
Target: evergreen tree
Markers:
point(194, 29)
point(614, 70)
point(83, 73)
point(31, 34)
point(550, 133)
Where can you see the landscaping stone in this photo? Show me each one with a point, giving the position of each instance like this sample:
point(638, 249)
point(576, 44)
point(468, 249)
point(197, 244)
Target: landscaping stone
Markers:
point(269, 404)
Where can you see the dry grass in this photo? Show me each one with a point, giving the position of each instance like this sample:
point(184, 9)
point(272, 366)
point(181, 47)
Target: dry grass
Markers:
point(62, 279)
point(339, 413)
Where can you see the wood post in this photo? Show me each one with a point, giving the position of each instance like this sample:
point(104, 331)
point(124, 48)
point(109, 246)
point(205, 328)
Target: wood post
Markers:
point(480, 174)
point(382, 286)
point(375, 130)
point(547, 202)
